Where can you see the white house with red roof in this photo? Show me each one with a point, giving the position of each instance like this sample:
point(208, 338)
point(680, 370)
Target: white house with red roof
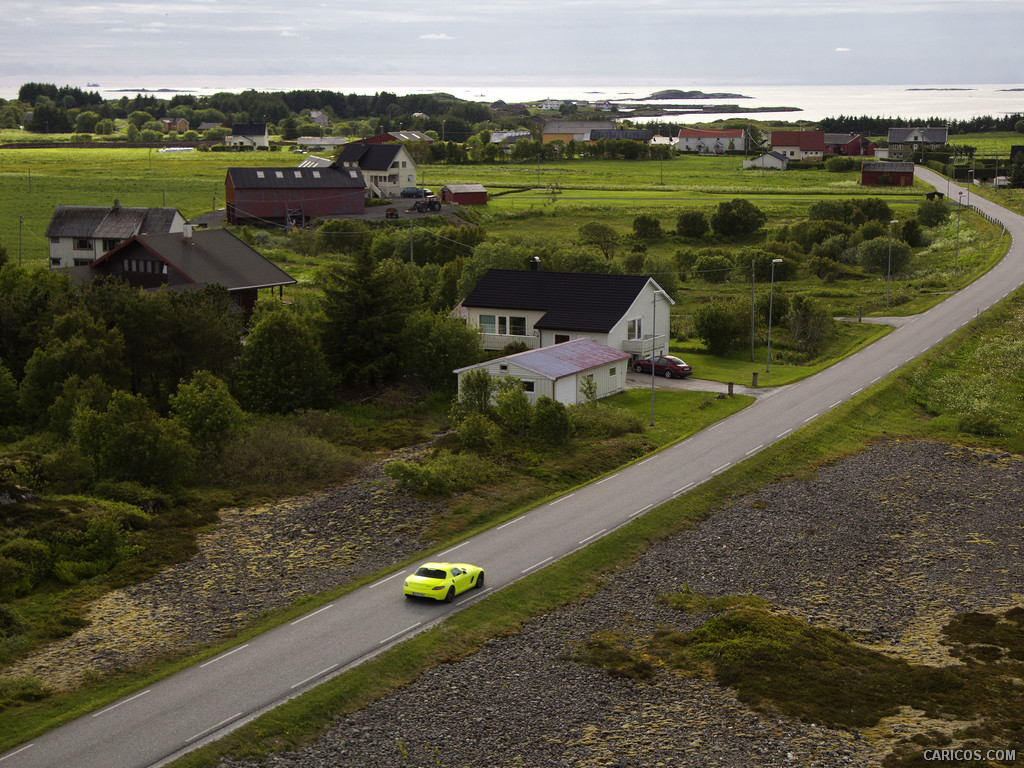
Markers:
point(707, 141)
point(799, 145)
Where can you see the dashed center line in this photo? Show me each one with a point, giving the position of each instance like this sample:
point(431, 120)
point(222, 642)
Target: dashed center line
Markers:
point(233, 650)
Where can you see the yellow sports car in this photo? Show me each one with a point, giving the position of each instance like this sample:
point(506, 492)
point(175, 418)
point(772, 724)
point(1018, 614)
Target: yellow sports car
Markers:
point(443, 581)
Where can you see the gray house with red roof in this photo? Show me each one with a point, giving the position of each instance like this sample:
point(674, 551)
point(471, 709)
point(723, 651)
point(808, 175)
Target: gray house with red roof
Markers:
point(189, 261)
point(629, 313)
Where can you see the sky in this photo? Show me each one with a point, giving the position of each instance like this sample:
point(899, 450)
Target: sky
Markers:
point(365, 46)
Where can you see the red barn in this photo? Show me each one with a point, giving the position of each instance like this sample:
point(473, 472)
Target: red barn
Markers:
point(464, 194)
point(887, 174)
point(292, 195)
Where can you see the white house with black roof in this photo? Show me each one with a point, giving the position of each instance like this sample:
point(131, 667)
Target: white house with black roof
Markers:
point(387, 168)
point(630, 313)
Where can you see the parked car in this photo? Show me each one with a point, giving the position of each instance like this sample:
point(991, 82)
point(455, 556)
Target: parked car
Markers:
point(416, 192)
point(443, 581)
point(669, 366)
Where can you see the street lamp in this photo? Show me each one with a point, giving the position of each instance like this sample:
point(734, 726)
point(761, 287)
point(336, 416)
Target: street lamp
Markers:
point(953, 170)
point(956, 255)
point(654, 341)
point(771, 298)
point(888, 274)
point(970, 182)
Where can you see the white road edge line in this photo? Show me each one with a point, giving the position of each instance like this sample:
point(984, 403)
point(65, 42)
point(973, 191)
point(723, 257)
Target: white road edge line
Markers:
point(610, 477)
point(837, 402)
point(321, 673)
point(593, 536)
point(115, 706)
point(642, 509)
point(754, 450)
point(224, 655)
point(452, 549)
point(559, 501)
point(721, 468)
point(510, 522)
point(311, 615)
point(537, 565)
point(17, 752)
point(225, 721)
point(387, 579)
point(678, 491)
point(810, 418)
point(783, 434)
point(399, 634)
point(857, 391)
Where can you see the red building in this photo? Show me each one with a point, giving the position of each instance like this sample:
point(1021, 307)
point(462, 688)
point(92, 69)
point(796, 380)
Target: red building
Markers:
point(464, 194)
point(887, 174)
point(292, 195)
point(849, 145)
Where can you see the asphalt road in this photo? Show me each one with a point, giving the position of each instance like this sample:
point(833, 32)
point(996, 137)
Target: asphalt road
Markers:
point(155, 725)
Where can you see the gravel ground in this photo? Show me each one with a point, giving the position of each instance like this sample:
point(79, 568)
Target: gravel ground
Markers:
point(886, 545)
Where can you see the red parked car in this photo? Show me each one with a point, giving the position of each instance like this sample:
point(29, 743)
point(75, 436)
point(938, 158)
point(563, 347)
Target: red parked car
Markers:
point(669, 366)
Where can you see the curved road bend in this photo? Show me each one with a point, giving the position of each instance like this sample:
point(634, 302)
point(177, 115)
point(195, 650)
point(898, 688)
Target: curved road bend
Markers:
point(177, 714)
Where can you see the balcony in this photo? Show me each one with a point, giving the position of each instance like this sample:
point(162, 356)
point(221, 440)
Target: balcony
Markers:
point(502, 340)
point(642, 347)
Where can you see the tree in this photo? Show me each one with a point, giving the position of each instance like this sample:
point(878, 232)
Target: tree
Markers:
point(129, 441)
point(476, 387)
point(10, 413)
point(205, 408)
point(647, 227)
point(931, 213)
point(737, 218)
point(1017, 170)
point(720, 325)
point(511, 405)
point(603, 236)
point(874, 255)
point(77, 344)
point(549, 422)
point(713, 268)
point(810, 323)
point(437, 344)
point(692, 224)
point(282, 368)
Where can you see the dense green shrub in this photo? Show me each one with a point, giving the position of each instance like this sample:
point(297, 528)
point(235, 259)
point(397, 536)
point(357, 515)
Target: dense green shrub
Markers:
point(721, 325)
point(737, 218)
point(692, 224)
point(931, 213)
point(442, 474)
point(599, 421)
point(875, 255)
point(478, 433)
point(32, 553)
point(647, 227)
point(549, 422)
point(713, 268)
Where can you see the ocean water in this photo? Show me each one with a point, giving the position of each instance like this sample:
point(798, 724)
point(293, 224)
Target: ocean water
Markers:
point(912, 102)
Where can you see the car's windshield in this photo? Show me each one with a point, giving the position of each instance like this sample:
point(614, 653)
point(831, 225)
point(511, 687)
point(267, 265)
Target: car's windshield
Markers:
point(430, 573)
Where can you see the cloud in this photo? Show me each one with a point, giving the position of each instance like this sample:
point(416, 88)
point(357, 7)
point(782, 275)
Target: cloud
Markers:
point(842, 50)
point(436, 36)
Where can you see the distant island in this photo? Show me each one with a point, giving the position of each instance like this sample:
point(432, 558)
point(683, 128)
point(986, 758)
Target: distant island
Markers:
point(674, 94)
point(941, 89)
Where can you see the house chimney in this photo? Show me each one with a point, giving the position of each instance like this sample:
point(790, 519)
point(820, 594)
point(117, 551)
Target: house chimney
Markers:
point(186, 232)
point(117, 204)
point(535, 264)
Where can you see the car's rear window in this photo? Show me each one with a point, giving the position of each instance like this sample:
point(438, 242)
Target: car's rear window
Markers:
point(431, 573)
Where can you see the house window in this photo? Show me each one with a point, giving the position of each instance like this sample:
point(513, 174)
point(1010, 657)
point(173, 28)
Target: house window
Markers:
point(260, 174)
point(561, 338)
point(635, 329)
point(83, 244)
point(611, 371)
point(517, 326)
point(83, 262)
point(488, 323)
point(403, 163)
point(298, 174)
point(109, 245)
point(279, 174)
point(55, 240)
point(394, 164)
point(54, 262)
point(316, 174)
point(502, 325)
point(528, 386)
point(502, 366)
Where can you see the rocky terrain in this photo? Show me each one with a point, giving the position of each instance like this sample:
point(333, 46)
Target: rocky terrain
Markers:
point(886, 546)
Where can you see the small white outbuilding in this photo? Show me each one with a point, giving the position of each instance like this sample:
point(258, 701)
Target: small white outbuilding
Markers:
point(558, 371)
